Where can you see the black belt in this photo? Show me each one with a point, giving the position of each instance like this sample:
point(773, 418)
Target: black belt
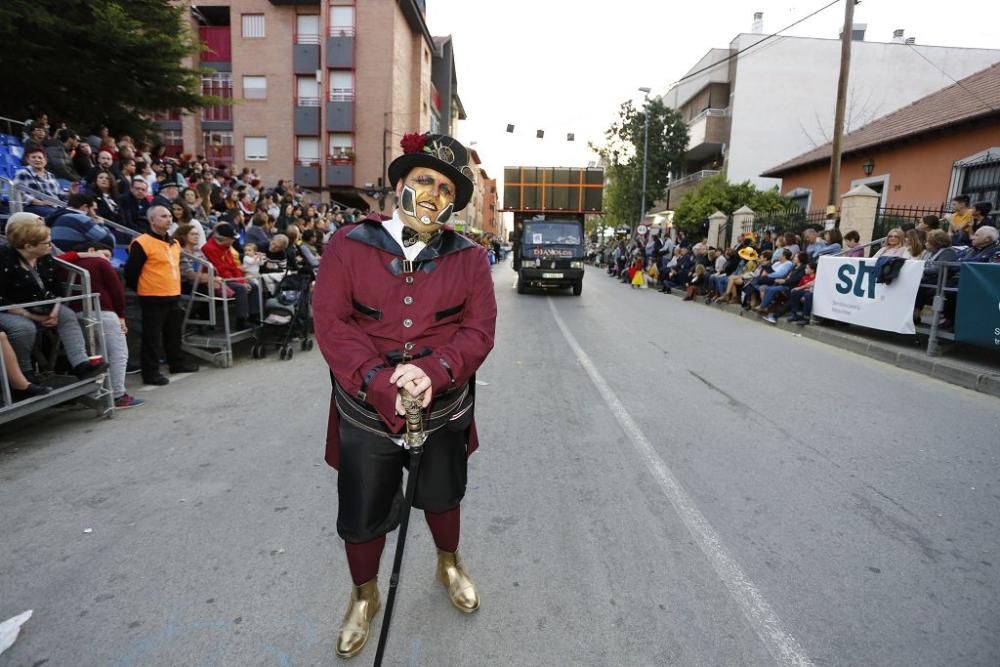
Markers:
point(396, 358)
point(451, 404)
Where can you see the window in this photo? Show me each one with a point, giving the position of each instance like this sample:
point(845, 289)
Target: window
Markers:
point(341, 86)
point(253, 26)
point(307, 29)
point(341, 21)
point(219, 84)
point(255, 148)
point(307, 92)
point(174, 141)
point(982, 182)
point(254, 87)
point(307, 151)
point(218, 147)
point(341, 147)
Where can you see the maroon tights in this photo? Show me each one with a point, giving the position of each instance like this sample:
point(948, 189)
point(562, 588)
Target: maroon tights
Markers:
point(363, 558)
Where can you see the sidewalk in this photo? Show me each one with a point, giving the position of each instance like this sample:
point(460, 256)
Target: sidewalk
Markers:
point(961, 365)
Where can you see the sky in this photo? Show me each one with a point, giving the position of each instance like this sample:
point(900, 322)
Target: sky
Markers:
point(567, 65)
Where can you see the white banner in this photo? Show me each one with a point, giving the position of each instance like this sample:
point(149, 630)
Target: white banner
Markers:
point(847, 289)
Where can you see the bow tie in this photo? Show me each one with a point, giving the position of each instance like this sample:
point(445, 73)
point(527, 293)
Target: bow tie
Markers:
point(411, 236)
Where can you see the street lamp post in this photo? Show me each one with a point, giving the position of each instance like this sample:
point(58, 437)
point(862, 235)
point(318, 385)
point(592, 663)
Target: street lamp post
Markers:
point(645, 149)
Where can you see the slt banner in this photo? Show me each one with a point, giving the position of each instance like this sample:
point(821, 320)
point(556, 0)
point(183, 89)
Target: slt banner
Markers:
point(846, 289)
point(978, 318)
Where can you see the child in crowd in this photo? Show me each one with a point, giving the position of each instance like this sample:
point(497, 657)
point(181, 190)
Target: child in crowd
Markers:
point(636, 275)
point(251, 261)
point(800, 299)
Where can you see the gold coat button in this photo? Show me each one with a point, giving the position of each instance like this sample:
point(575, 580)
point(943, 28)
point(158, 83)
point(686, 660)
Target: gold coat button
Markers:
point(408, 300)
point(408, 346)
point(409, 280)
point(407, 323)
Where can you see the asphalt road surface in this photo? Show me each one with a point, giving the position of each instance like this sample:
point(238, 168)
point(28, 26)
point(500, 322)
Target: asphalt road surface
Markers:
point(659, 484)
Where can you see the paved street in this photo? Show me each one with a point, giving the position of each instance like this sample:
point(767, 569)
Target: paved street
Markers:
point(659, 483)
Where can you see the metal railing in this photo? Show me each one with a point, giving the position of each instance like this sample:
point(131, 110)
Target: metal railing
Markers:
point(710, 112)
point(217, 349)
point(12, 126)
point(795, 221)
point(98, 394)
point(691, 178)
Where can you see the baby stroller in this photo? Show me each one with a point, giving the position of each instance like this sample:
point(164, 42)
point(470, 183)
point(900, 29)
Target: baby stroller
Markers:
point(287, 317)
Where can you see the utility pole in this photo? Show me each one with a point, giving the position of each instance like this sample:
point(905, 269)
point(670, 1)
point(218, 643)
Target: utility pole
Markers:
point(838, 119)
point(645, 149)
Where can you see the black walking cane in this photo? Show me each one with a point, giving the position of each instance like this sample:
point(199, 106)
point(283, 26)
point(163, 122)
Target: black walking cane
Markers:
point(414, 439)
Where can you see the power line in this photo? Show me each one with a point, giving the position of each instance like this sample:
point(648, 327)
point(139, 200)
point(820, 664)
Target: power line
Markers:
point(950, 77)
point(758, 42)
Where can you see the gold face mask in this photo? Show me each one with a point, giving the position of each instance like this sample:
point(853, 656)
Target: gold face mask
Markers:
point(426, 199)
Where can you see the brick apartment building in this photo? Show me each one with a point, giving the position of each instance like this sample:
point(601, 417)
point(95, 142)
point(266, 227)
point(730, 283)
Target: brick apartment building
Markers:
point(322, 91)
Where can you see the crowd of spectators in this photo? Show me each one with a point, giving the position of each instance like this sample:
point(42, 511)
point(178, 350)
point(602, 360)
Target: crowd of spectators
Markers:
point(106, 204)
point(772, 274)
point(132, 216)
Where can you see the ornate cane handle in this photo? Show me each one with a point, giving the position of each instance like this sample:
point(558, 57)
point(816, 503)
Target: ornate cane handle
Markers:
point(415, 436)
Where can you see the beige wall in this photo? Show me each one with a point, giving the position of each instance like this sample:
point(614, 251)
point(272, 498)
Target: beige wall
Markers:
point(393, 86)
point(373, 85)
point(271, 117)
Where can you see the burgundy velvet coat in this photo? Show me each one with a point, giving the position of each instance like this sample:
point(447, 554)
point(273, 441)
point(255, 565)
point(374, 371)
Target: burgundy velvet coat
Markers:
point(365, 305)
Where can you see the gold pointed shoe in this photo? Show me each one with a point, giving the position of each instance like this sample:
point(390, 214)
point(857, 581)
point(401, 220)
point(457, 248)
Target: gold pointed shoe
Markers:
point(461, 590)
point(354, 629)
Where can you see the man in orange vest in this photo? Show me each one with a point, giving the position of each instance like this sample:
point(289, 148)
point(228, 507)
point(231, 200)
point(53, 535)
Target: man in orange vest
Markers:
point(153, 271)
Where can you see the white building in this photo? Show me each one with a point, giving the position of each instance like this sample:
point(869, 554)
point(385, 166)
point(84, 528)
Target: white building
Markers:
point(776, 100)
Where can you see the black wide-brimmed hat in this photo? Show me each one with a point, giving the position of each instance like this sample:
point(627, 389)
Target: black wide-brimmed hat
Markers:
point(441, 153)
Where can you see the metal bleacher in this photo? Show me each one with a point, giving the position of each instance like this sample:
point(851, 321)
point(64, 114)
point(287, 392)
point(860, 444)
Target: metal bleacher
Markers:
point(208, 330)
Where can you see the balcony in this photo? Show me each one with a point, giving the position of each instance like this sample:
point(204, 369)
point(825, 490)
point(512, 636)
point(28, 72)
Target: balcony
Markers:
point(707, 132)
point(339, 172)
point(306, 118)
point(340, 111)
point(340, 47)
point(305, 54)
point(681, 186)
point(217, 44)
point(307, 172)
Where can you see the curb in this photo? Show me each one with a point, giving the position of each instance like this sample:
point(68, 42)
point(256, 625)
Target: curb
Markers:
point(940, 369)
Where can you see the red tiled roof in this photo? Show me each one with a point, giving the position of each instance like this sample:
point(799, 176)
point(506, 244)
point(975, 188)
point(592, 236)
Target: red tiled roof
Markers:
point(945, 107)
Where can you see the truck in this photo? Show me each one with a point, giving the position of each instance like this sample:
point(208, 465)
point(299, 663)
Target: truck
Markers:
point(550, 206)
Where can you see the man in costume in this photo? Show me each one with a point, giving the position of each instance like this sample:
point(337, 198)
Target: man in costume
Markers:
point(404, 303)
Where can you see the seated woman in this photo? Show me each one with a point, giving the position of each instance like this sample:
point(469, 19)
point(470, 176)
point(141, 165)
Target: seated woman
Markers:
point(834, 241)
point(895, 245)
point(28, 274)
point(783, 285)
point(735, 281)
point(20, 387)
point(939, 246)
point(720, 278)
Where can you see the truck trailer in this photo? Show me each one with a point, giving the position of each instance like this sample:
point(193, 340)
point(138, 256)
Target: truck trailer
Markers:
point(550, 206)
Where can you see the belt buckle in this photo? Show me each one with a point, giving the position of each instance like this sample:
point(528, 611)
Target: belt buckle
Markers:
point(407, 266)
point(406, 358)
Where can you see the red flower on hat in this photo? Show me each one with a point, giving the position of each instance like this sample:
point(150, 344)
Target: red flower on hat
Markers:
point(413, 142)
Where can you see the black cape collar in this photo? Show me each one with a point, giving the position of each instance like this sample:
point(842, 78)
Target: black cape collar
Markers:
point(373, 233)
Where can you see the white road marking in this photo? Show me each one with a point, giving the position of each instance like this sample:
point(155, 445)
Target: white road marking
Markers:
point(782, 646)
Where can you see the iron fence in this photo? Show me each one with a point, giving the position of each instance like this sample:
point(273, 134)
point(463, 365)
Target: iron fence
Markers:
point(782, 222)
point(889, 217)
